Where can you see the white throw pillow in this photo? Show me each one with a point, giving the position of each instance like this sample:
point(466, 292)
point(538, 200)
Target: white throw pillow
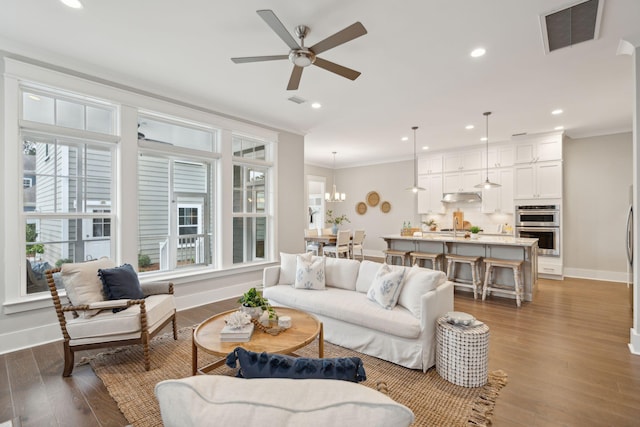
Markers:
point(341, 273)
point(287, 269)
point(366, 274)
point(309, 272)
point(418, 282)
point(82, 283)
point(386, 286)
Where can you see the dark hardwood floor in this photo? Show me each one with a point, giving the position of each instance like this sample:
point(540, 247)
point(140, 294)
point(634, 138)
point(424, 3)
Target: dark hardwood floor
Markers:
point(566, 356)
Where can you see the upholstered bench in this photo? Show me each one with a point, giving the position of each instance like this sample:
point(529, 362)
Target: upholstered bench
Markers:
point(229, 401)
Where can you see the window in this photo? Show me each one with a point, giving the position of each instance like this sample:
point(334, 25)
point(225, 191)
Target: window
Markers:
point(27, 182)
point(174, 195)
point(250, 200)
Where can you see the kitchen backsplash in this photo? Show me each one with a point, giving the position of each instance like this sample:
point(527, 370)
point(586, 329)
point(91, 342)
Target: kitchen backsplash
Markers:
point(489, 223)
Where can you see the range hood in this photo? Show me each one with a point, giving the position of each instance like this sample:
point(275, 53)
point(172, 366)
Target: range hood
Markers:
point(463, 197)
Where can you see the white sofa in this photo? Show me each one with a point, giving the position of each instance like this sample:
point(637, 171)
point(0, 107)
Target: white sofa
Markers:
point(405, 335)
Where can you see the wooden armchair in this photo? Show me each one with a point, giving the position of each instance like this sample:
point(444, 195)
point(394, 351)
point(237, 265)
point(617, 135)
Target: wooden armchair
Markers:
point(136, 323)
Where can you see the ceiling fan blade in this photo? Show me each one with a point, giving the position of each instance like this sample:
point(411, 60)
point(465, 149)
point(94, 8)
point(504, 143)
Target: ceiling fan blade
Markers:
point(294, 80)
point(272, 20)
point(338, 69)
point(258, 58)
point(351, 32)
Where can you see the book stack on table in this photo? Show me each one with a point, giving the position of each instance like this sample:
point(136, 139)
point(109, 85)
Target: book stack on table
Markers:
point(242, 334)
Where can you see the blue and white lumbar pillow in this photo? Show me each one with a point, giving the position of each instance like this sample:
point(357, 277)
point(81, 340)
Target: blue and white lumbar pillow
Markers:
point(386, 286)
point(309, 272)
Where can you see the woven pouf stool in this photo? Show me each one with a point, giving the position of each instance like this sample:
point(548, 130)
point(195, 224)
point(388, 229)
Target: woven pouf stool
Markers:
point(462, 353)
point(390, 254)
point(416, 257)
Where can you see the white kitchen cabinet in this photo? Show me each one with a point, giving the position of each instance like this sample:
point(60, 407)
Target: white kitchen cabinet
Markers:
point(430, 164)
point(538, 180)
point(461, 181)
point(499, 156)
point(430, 200)
point(499, 200)
point(463, 160)
point(541, 150)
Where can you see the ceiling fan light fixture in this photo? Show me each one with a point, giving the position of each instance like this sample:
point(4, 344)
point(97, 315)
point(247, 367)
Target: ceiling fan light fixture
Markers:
point(302, 58)
point(487, 184)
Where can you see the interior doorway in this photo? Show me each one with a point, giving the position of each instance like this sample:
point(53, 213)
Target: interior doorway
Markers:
point(315, 201)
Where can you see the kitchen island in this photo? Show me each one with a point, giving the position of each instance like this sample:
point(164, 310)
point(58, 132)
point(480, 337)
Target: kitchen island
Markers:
point(486, 246)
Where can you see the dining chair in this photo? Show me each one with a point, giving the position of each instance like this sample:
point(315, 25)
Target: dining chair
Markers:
point(311, 246)
point(356, 244)
point(327, 231)
point(341, 246)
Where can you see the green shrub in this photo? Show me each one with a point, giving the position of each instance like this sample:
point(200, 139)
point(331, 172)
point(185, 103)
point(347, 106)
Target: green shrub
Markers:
point(63, 261)
point(143, 260)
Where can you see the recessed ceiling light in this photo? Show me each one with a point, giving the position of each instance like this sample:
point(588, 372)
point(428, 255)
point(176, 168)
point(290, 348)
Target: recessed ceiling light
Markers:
point(469, 127)
point(426, 147)
point(74, 4)
point(316, 105)
point(558, 128)
point(484, 138)
point(476, 53)
point(557, 111)
point(404, 138)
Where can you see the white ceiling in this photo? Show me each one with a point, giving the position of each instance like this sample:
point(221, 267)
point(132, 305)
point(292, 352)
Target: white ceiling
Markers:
point(415, 64)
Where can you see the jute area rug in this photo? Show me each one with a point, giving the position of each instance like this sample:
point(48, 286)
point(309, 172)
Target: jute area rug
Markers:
point(434, 401)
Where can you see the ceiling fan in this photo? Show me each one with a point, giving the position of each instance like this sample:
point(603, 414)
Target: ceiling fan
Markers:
point(302, 56)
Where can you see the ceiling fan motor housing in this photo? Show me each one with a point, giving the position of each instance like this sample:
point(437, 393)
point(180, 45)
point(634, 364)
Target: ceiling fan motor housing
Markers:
point(302, 57)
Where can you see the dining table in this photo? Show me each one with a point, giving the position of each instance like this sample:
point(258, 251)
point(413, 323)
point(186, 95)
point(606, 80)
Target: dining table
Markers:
point(322, 240)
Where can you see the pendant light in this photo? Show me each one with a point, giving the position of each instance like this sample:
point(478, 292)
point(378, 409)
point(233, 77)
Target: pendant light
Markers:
point(334, 196)
point(415, 187)
point(487, 184)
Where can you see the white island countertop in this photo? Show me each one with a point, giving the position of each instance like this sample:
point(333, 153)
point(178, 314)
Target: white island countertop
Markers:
point(489, 239)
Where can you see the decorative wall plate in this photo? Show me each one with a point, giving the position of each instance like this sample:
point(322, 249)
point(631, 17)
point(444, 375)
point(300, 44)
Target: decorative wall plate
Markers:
point(385, 207)
point(373, 198)
point(361, 208)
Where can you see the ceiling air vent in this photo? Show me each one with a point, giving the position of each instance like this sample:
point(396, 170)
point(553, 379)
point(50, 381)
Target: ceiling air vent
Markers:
point(297, 100)
point(572, 25)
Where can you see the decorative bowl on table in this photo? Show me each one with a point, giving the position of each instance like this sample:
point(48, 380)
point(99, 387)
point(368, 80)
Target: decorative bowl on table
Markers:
point(459, 318)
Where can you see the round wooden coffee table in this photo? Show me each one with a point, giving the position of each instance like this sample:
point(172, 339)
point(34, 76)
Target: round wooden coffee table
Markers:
point(304, 329)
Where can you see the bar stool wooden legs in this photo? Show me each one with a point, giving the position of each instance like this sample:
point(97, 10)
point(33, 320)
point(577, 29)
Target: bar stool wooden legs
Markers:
point(515, 265)
point(435, 259)
point(390, 254)
point(475, 284)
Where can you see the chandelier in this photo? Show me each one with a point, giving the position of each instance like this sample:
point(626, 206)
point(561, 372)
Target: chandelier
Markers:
point(334, 196)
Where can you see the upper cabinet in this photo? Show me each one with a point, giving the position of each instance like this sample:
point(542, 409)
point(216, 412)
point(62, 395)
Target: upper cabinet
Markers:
point(499, 200)
point(461, 182)
point(458, 161)
point(499, 156)
point(539, 180)
point(430, 164)
point(539, 150)
point(430, 200)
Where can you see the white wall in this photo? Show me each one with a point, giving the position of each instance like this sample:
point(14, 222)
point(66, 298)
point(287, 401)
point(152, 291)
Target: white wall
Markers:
point(390, 181)
point(597, 176)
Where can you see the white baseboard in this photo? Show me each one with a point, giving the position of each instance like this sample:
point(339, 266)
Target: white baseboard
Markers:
point(634, 342)
point(609, 276)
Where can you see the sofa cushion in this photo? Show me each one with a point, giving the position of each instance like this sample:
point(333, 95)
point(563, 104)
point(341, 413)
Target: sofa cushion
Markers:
point(106, 323)
point(120, 283)
point(348, 306)
point(82, 283)
point(197, 400)
point(287, 269)
point(309, 272)
point(265, 365)
point(341, 273)
point(386, 286)
point(366, 274)
point(418, 282)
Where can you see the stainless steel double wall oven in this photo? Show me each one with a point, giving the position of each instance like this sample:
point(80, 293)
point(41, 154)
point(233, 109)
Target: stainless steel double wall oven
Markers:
point(540, 222)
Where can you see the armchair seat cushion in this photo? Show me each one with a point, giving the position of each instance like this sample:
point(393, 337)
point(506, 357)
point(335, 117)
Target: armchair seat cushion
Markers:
point(196, 401)
point(124, 324)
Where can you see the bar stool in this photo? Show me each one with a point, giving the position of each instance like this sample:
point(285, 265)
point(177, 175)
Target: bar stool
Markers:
point(416, 257)
point(515, 265)
point(393, 253)
point(475, 284)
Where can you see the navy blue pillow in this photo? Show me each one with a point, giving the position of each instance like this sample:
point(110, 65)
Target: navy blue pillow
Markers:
point(265, 365)
point(120, 283)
